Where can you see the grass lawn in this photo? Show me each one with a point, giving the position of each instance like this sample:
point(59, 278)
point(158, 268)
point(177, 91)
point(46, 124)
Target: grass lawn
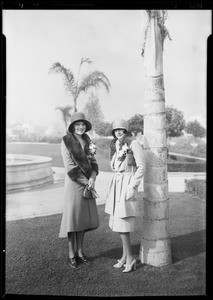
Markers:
point(53, 151)
point(36, 259)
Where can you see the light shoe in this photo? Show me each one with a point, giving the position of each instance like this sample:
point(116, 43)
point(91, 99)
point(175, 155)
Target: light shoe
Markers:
point(119, 264)
point(130, 267)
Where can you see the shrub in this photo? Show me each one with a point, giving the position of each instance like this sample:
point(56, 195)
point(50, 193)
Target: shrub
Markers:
point(175, 158)
point(175, 122)
point(186, 167)
point(104, 129)
point(50, 139)
point(102, 143)
point(136, 124)
point(196, 187)
point(195, 128)
point(200, 150)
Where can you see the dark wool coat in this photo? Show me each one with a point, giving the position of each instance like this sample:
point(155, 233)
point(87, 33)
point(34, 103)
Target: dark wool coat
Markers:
point(79, 213)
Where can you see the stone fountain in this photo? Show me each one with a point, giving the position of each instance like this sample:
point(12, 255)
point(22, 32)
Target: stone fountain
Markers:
point(27, 171)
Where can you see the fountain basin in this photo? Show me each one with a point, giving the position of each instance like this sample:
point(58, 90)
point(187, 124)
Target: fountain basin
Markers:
point(27, 171)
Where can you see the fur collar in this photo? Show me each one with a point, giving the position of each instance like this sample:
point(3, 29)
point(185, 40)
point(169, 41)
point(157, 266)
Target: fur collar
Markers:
point(80, 156)
point(126, 139)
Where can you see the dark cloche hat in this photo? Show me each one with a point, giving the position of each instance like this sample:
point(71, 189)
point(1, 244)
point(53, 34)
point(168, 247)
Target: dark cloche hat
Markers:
point(79, 116)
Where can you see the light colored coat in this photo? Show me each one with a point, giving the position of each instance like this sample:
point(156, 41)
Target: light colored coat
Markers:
point(79, 213)
point(127, 175)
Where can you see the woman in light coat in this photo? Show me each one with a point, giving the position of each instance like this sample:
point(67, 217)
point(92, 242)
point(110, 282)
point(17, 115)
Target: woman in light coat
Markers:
point(80, 211)
point(127, 161)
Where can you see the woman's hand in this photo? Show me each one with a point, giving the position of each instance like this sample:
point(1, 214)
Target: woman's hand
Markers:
point(130, 192)
point(91, 184)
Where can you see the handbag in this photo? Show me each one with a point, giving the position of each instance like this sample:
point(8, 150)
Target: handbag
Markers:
point(87, 193)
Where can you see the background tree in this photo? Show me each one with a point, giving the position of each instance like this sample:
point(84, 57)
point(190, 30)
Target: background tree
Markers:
point(175, 122)
point(105, 129)
point(136, 124)
point(65, 111)
point(196, 129)
point(72, 85)
point(93, 112)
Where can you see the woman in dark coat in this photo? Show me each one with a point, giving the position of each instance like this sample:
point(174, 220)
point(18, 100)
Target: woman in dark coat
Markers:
point(80, 210)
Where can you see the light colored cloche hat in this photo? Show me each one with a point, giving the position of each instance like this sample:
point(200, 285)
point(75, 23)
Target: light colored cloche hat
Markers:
point(119, 124)
point(79, 116)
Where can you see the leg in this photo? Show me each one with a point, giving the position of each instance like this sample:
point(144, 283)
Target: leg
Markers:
point(80, 253)
point(123, 258)
point(79, 242)
point(71, 244)
point(127, 250)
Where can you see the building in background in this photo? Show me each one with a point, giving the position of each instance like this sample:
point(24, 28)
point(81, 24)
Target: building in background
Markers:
point(15, 130)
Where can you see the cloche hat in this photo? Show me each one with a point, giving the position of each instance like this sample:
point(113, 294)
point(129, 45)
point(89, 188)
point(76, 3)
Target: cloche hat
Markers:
point(79, 116)
point(119, 124)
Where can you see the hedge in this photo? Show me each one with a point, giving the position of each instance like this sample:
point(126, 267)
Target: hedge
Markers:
point(175, 163)
point(196, 187)
point(174, 158)
point(186, 167)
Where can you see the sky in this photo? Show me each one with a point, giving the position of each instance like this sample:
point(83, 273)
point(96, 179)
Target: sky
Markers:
point(112, 39)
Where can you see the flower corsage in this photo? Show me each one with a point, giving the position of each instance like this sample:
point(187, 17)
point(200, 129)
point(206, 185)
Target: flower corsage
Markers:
point(92, 148)
point(123, 152)
point(91, 193)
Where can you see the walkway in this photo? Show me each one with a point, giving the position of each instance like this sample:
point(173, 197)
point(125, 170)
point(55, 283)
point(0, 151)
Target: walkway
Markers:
point(48, 200)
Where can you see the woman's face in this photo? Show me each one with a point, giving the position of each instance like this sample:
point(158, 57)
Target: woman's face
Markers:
point(79, 127)
point(119, 133)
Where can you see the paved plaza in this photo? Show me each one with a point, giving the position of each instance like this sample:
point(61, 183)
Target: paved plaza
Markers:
point(48, 200)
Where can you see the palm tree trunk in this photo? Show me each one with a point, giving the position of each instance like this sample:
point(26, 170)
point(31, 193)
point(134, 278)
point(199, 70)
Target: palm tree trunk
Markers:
point(155, 242)
point(75, 105)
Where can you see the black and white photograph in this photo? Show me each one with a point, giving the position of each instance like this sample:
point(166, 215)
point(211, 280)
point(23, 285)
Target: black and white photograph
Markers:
point(106, 124)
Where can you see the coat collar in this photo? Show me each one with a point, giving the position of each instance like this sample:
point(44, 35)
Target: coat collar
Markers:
point(126, 139)
point(79, 155)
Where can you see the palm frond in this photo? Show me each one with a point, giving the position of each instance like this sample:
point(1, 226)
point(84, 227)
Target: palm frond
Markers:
point(65, 111)
point(68, 79)
point(83, 60)
point(95, 79)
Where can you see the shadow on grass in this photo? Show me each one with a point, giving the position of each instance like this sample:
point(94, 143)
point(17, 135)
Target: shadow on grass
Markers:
point(188, 245)
point(182, 247)
point(116, 253)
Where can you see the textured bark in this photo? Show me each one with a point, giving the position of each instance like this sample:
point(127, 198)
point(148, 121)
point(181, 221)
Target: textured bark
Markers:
point(155, 242)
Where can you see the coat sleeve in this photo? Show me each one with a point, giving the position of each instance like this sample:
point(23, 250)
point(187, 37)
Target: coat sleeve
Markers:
point(138, 154)
point(95, 169)
point(72, 170)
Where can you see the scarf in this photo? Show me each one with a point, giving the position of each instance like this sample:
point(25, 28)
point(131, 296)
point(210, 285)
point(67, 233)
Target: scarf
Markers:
point(81, 157)
point(126, 139)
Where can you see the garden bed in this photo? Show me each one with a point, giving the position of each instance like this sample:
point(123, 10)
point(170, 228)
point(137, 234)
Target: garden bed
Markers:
point(196, 187)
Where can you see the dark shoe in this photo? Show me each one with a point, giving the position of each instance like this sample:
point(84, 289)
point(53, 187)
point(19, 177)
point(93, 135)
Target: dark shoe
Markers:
point(83, 259)
point(73, 262)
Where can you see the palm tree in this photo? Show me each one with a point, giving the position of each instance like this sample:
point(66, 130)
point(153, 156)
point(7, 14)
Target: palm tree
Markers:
point(155, 242)
point(94, 79)
point(65, 111)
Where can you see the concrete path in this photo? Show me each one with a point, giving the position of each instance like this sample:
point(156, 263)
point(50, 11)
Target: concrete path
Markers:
point(48, 200)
